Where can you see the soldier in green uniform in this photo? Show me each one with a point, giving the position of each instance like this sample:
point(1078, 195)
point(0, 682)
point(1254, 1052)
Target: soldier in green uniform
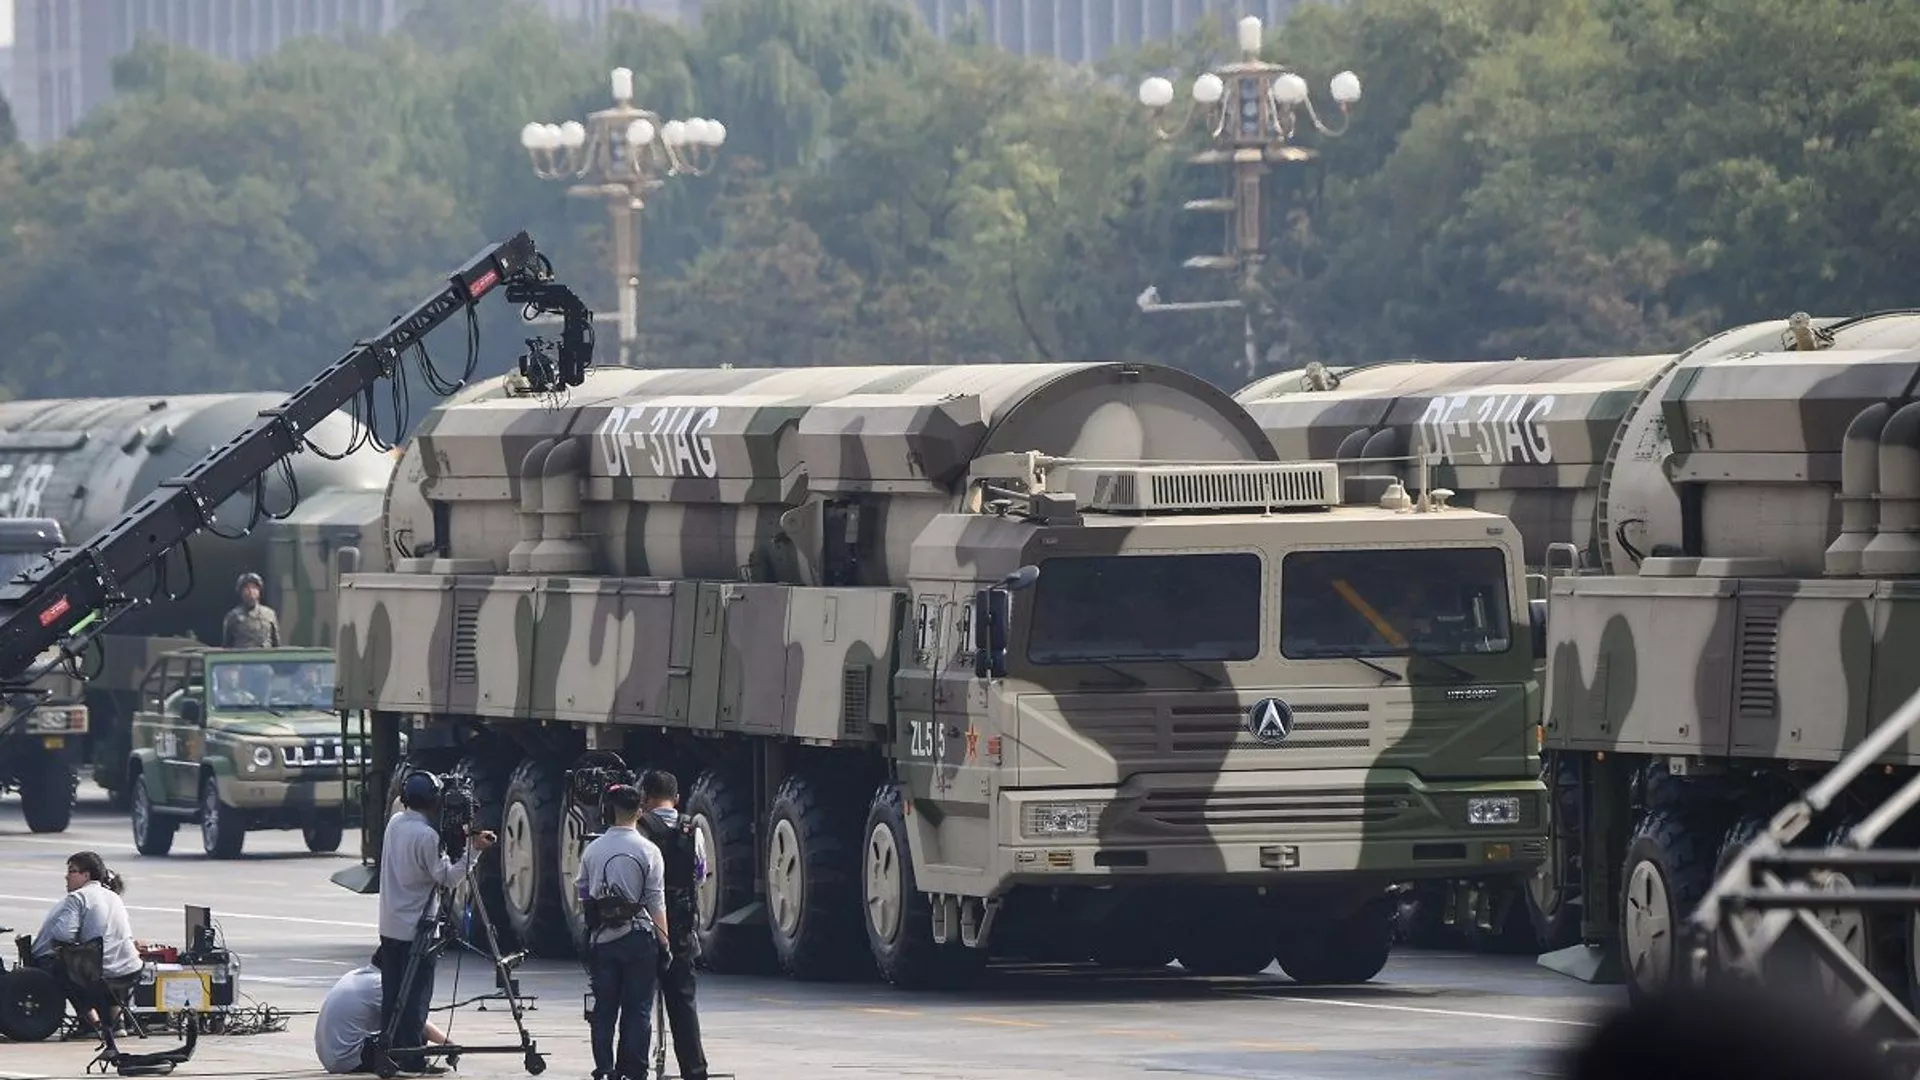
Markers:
point(251, 624)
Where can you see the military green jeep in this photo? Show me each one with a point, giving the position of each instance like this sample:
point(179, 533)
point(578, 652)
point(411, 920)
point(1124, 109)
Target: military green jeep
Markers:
point(263, 750)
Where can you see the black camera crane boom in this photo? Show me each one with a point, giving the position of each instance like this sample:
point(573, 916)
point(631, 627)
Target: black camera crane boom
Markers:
point(67, 600)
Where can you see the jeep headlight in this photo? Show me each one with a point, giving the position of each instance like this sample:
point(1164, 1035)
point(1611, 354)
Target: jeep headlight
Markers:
point(1493, 810)
point(1059, 819)
point(261, 758)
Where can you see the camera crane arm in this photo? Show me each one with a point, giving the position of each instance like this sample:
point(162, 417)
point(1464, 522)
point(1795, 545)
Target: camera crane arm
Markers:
point(68, 599)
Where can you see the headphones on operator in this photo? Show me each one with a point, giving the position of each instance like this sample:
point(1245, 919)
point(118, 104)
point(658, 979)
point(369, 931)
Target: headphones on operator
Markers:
point(420, 790)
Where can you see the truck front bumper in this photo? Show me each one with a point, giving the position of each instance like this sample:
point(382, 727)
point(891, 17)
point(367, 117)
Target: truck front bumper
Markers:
point(1263, 827)
point(293, 801)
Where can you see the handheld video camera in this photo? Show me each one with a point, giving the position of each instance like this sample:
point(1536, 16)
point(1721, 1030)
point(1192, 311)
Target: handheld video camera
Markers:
point(587, 783)
point(457, 807)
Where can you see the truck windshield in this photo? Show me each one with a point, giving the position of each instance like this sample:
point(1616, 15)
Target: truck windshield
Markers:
point(1106, 608)
point(272, 684)
point(1393, 602)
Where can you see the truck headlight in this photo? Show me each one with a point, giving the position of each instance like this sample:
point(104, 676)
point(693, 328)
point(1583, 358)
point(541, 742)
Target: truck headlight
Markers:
point(1494, 810)
point(262, 756)
point(58, 720)
point(1059, 819)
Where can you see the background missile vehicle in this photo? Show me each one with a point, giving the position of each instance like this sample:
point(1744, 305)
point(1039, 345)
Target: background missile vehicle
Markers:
point(42, 733)
point(1009, 659)
point(1730, 535)
point(83, 462)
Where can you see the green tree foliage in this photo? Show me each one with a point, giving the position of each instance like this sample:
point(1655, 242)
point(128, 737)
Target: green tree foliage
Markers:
point(1538, 177)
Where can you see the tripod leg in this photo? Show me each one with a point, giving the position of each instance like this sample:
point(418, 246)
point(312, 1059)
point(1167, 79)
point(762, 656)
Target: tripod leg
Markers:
point(535, 1063)
point(660, 1014)
point(423, 942)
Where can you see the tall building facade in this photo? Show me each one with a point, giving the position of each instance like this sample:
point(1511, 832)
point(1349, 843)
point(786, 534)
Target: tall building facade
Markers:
point(64, 49)
point(1085, 31)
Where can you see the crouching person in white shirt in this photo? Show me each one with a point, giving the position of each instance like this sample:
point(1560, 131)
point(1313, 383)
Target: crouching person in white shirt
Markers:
point(348, 1026)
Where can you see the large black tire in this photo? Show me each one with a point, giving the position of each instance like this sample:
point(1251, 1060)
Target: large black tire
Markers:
point(1554, 909)
point(223, 832)
point(1353, 950)
point(1668, 868)
point(324, 832)
point(490, 772)
point(899, 917)
point(813, 881)
point(46, 794)
point(1228, 949)
point(721, 812)
point(1221, 935)
point(31, 1005)
point(152, 833)
point(529, 854)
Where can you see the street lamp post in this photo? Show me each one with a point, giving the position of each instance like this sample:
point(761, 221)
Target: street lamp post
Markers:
point(619, 155)
point(1250, 109)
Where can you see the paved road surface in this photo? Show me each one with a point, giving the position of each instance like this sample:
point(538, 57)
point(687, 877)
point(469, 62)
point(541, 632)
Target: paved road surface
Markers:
point(1429, 1015)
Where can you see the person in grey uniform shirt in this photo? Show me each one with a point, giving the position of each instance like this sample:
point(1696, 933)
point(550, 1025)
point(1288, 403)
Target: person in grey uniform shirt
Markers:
point(622, 885)
point(349, 1022)
point(412, 865)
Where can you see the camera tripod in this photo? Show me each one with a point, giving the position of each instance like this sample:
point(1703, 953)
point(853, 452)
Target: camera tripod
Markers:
point(431, 938)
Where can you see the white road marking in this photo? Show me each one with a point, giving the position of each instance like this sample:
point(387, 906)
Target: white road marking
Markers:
point(1436, 1012)
point(218, 915)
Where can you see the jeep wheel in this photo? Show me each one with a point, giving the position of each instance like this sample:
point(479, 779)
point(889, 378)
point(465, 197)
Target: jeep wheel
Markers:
point(152, 834)
point(323, 834)
point(221, 831)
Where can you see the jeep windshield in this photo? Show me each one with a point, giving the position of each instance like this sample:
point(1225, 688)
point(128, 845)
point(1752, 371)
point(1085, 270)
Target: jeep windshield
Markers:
point(1359, 603)
point(1104, 609)
point(240, 685)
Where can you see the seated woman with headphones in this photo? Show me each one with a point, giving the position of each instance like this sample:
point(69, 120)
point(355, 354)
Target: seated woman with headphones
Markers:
point(91, 910)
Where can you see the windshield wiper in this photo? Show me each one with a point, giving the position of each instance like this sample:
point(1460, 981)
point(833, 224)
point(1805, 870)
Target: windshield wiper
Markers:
point(1463, 673)
point(1131, 679)
point(1207, 682)
point(1392, 675)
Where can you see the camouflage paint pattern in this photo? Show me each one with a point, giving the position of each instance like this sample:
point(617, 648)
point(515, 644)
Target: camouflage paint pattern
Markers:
point(794, 554)
point(84, 461)
point(1579, 450)
point(304, 745)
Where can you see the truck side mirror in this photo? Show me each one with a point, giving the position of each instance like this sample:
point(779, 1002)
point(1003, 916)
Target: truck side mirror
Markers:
point(191, 712)
point(1537, 617)
point(346, 560)
point(993, 613)
point(982, 633)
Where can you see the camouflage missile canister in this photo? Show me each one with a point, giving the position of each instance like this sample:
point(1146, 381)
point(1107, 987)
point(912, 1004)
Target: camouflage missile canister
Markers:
point(1570, 448)
point(85, 461)
point(1523, 438)
point(694, 470)
point(1002, 642)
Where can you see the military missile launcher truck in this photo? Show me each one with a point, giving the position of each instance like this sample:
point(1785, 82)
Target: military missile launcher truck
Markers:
point(1044, 661)
point(42, 732)
point(1731, 538)
point(82, 462)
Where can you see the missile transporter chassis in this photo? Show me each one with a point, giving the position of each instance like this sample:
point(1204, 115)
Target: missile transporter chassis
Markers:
point(950, 663)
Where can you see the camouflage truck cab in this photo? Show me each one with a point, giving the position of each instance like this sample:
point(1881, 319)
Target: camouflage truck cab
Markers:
point(43, 734)
point(1045, 661)
point(239, 740)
